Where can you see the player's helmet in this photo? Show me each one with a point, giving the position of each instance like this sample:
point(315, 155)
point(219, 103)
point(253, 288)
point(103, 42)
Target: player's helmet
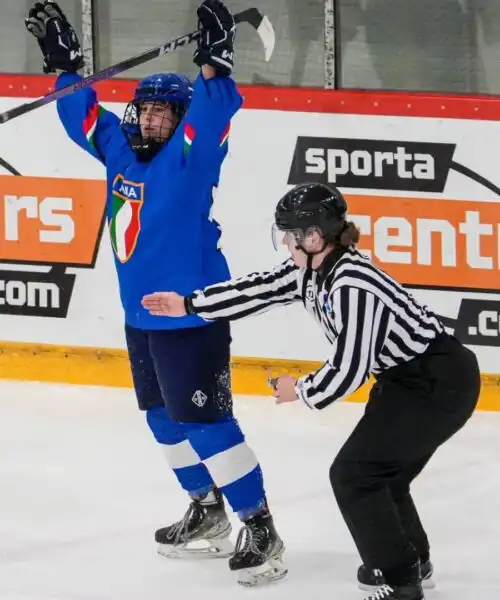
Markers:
point(311, 206)
point(165, 88)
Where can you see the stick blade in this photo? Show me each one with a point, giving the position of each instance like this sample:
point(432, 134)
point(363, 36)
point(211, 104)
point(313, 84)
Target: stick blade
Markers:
point(267, 35)
point(262, 25)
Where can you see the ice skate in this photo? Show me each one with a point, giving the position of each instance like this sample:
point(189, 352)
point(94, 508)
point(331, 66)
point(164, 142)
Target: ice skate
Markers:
point(402, 592)
point(371, 579)
point(259, 552)
point(409, 588)
point(203, 532)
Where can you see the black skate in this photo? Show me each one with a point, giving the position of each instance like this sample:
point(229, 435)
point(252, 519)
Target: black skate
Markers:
point(402, 592)
point(258, 553)
point(371, 579)
point(203, 532)
point(408, 588)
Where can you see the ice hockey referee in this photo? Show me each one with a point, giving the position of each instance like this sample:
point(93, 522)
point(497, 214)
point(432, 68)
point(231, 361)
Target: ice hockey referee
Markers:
point(426, 382)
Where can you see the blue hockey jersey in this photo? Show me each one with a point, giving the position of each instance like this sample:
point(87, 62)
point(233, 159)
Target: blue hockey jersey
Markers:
point(159, 212)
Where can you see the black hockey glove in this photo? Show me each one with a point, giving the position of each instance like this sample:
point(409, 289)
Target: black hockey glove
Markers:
point(55, 36)
point(216, 45)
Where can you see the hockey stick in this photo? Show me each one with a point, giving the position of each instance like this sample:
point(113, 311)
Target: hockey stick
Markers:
point(252, 16)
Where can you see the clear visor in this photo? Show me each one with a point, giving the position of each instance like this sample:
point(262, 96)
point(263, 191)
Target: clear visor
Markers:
point(290, 238)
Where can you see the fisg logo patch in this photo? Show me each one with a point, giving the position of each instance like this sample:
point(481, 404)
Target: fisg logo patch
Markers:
point(125, 219)
point(372, 164)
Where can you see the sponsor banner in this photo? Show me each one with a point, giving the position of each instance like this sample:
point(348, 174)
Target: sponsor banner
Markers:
point(375, 164)
point(50, 220)
point(35, 294)
point(46, 221)
point(433, 242)
point(446, 244)
point(478, 322)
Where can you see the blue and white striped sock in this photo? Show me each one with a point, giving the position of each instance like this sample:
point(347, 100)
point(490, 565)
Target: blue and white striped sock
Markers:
point(232, 464)
point(182, 458)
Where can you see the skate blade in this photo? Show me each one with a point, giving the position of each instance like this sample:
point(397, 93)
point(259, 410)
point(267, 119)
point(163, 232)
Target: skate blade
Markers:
point(369, 588)
point(272, 570)
point(218, 548)
point(427, 584)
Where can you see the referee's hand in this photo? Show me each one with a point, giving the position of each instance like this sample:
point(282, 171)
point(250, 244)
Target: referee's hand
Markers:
point(284, 390)
point(164, 304)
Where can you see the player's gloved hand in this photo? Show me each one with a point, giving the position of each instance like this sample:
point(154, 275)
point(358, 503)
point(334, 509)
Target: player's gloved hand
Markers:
point(216, 44)
point(55, 36)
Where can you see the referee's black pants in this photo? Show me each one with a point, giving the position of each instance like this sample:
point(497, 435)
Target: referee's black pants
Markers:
point(412, 410)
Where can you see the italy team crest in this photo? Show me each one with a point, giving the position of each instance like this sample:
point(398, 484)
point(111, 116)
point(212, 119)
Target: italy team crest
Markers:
point(124, 223)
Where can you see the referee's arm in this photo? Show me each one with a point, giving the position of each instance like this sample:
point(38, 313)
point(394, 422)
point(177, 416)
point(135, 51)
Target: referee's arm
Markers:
point(249, 295)
point(360, 321)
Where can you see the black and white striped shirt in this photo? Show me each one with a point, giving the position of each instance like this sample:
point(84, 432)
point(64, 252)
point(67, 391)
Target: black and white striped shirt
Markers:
point(372, 322)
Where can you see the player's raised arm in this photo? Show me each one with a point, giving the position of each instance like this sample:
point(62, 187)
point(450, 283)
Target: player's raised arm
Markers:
point(215, 97)
point(85, 121)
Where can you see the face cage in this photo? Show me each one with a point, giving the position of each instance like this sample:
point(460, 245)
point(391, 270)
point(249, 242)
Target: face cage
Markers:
point(147, 147)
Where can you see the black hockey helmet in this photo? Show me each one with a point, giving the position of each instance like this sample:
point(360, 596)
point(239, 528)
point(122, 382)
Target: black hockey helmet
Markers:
point(311, 207)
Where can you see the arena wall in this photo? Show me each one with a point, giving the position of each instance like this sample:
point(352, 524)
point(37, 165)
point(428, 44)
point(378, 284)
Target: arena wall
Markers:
point(420, 173)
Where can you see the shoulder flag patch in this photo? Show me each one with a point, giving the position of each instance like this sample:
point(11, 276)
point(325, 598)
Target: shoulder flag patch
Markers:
point(90, 123)
point(189, 135)
point(225, 135)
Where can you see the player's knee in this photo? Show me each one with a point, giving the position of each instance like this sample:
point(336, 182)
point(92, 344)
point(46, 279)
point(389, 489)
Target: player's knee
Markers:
point(177, 449)
point(213, 438)
point(164, 429)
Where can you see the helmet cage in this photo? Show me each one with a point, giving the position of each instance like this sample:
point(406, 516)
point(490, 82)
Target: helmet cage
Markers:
point(147, 147)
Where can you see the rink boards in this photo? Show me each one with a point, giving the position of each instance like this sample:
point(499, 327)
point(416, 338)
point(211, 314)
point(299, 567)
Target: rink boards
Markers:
point(420, 174)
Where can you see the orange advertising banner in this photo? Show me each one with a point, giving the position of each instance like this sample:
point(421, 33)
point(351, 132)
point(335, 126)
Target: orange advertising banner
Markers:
point(50, 220)
point(430, 242)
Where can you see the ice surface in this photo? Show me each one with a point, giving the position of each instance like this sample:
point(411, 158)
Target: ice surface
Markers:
point(83, 486)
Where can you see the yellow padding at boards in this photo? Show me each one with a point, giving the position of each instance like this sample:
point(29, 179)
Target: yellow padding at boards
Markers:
point(109, 367)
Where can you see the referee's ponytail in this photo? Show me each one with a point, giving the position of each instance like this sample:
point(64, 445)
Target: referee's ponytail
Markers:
point(349, 236)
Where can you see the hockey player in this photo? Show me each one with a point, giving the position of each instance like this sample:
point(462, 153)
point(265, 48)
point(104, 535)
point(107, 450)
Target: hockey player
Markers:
point(427, 382)
point(163, 160)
